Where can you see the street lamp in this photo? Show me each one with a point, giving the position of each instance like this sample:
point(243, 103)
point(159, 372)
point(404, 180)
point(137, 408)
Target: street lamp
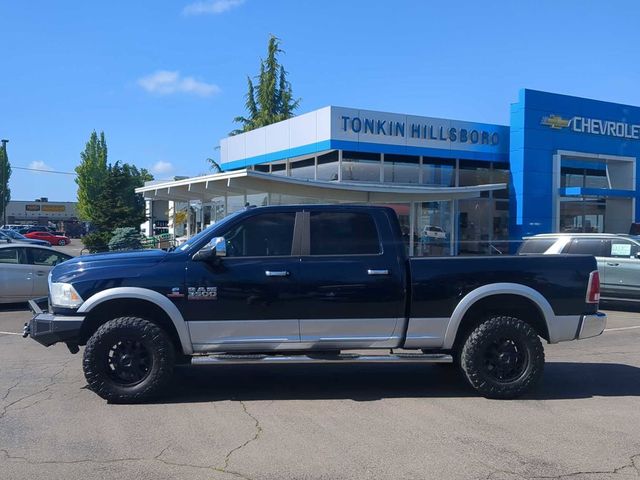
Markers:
point(4, 181)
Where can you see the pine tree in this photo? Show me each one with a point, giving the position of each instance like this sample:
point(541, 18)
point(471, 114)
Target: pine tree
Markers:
point(117, 204)
point(92, 173)
point(270, 100)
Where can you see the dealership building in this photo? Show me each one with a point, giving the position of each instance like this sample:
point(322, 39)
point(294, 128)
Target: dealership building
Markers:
point(563, 164)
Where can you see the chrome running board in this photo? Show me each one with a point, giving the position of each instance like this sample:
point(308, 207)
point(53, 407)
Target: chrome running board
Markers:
point(311, 358)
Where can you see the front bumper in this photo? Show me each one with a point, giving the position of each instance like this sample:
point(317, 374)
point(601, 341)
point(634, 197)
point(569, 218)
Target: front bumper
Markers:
point(47, 328)
point(592, 325)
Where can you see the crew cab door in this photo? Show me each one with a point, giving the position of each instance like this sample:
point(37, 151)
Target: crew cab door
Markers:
point(249, 299)
point(353, 290)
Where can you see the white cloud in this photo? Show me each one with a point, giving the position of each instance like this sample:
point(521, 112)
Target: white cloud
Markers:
point(166, 82)
point(40, 165)
point(213, 7)
point(161, 167)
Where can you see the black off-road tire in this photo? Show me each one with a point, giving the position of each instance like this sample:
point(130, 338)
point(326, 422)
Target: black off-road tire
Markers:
point(479, 347)
point(151, 337)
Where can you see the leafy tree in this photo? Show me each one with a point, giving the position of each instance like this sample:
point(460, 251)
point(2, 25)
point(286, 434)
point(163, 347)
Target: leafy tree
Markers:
point(270, 100)
point(92, 173)
point(127, 238)
point(117, 204)
point(5, 191)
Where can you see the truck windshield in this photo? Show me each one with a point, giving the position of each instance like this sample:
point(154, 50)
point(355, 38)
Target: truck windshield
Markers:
point(204, 233)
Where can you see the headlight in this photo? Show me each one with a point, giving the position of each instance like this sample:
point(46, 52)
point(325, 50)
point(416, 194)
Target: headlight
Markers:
point(64, 295)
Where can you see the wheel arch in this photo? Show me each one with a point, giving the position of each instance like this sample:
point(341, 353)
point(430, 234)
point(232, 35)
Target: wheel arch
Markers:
point(135, 301)
point(500, 298)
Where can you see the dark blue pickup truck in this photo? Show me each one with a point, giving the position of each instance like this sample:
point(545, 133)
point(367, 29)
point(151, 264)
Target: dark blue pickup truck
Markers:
point(306, 284)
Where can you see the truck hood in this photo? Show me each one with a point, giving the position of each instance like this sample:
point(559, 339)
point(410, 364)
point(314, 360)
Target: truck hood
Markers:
point(107, 265)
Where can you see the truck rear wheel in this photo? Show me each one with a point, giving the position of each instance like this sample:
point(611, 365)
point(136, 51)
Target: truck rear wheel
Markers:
point(502, 358)
point(128, 360)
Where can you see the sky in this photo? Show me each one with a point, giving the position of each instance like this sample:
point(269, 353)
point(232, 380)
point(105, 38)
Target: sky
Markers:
point(164, 79)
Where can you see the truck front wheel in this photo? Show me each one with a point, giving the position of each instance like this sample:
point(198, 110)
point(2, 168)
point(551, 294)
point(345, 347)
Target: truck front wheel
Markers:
point(502, 358)
point(128, 360)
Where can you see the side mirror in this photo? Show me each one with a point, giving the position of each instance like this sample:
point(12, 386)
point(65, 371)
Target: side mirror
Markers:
point(217, 247)
point(638, 255)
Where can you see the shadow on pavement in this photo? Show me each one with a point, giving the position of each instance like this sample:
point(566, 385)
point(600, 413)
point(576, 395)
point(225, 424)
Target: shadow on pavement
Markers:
point(562, 380)
point(620, 306)
point(14, 307)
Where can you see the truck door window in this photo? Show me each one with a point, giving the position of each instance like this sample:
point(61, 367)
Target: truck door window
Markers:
point(266, 235)
point(343, 233)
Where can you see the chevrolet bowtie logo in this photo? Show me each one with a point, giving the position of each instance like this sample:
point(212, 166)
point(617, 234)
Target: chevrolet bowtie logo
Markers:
point(555, 121)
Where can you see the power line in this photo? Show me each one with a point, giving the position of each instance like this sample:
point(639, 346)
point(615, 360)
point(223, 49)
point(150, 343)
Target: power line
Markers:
point(43, 170)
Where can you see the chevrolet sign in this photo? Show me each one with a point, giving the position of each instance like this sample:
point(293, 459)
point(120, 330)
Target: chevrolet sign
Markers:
point(593, 126)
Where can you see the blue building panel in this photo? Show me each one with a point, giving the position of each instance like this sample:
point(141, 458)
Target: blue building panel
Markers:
point(545, 124)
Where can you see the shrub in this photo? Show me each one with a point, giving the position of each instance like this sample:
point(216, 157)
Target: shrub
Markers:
point(96, 241)
point(127, 238)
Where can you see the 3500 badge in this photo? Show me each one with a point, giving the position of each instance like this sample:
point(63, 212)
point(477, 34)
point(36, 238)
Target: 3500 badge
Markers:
point(202, 293)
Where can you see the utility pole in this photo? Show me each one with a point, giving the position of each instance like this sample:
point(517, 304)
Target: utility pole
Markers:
point(4, 181)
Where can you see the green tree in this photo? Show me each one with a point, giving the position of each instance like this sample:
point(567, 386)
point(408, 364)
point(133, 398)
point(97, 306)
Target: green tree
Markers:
point(117, 204)
point(270, 100)
point(92, 173)
point(5, 191)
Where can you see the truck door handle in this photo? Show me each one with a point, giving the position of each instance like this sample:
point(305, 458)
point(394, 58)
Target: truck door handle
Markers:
point(40, 273)
point(280, 273)
point(612, 264)
point(377, 272)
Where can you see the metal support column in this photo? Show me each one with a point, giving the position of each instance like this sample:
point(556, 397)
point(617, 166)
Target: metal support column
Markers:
point(188, 220)
point(452, 228)
point(412, 227)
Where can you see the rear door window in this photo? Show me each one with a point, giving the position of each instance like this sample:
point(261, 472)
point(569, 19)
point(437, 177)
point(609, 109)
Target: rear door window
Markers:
point(536, 245)
point(622, 249)
point(343, 233)
point(587, 246)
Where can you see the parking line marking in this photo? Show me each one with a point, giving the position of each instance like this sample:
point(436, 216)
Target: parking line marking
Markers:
point(620, 328)
point(10, 333)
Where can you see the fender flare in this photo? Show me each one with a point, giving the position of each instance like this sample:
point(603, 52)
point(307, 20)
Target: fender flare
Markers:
point(495, 289)
point(151, 296)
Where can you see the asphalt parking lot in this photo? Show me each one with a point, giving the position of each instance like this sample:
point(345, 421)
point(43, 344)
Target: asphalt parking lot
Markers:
point(322, 421)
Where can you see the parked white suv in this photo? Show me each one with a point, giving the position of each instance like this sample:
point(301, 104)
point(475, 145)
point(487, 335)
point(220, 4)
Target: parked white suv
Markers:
point(618, 258)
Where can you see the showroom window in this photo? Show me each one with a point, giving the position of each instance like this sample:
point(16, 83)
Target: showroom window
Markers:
point(328, 166)
point(438, 172)
point(401, 169)
point(361, 167)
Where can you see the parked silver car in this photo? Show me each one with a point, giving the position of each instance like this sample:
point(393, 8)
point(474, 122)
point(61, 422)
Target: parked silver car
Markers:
point(24, 270)
point(618, 258)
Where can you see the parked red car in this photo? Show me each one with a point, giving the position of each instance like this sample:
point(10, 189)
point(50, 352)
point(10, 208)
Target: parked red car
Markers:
point(49, 237)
